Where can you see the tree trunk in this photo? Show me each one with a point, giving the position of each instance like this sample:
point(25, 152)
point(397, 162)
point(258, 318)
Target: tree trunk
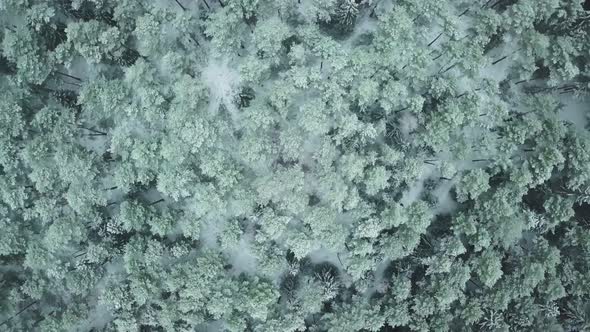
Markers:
point(179, 4)
point(18, 313)
point(68, 75)
point(435, 39)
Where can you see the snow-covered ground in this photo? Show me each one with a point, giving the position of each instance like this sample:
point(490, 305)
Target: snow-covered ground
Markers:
point(575, 111)
point(223, 79)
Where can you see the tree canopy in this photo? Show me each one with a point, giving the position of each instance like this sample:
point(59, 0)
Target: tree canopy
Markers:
point(294, 165)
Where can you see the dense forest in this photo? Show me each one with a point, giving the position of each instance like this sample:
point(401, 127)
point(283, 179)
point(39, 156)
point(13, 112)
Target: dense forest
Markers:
point(295, 165)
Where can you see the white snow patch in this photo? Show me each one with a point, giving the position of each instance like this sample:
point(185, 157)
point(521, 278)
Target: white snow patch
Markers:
point(364, 24)
point(407, 124)
point(346, 218)
point(165, 4)
point(464, 24)
point(465, 83)
point(432, 33)
point(445, 204)
point(324, 255)
point(222, 81)
point(152, 195)
point(311, 145)
point(112, 195)
point(467, 163)
point(379, 277)
point(415, 190)
point(209, 232)
point(214, 326)
point(81, 69)
point(576, 111)
point(499, 71)
point(97, 319)
point(380, 270)
point(242, 259)
point(191, 6)
point(98, 144)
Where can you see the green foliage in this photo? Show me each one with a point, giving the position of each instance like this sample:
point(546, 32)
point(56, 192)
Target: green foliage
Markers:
point(21, 46)
point(473, 184)
point(325, 165)
point(488, 267)
point(93, 40)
